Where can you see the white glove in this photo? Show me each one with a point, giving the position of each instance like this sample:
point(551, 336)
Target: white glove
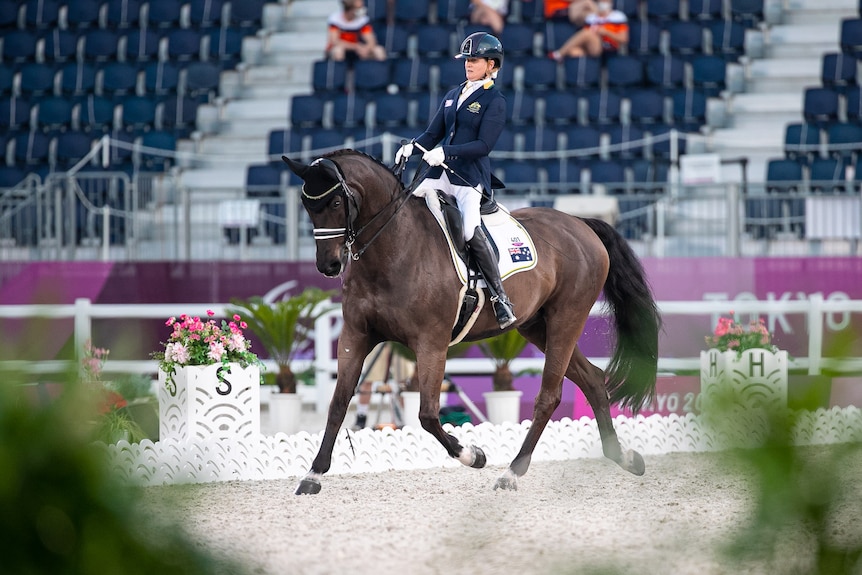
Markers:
point(434, 157)
point(404, 152)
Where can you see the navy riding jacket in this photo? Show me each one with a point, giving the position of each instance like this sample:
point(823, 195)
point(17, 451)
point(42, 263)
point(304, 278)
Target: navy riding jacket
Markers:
point(468, 134)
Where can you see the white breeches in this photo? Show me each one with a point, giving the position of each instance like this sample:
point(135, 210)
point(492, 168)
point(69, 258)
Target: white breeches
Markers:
point(468, 200)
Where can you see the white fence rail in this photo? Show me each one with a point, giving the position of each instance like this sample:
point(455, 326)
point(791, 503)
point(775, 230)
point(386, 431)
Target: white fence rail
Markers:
point(83, 312)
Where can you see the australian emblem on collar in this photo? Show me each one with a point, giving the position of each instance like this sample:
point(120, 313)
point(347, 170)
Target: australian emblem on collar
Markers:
point(474, 107)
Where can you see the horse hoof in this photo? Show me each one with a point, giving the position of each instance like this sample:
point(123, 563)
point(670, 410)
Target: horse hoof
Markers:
point(634, 463)
point(308, 486)
point(479, 459)
point(508, 481)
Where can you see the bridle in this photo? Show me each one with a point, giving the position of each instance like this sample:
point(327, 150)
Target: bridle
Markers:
point(351, 209)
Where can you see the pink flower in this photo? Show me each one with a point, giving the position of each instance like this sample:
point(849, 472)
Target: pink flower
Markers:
point(216, 351)
point(236, 342)
point(177, 352)
point(210, 312)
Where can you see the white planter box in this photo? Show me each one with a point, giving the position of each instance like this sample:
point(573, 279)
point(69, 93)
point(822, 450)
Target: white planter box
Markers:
point(503, 406)
point(756, 376)
point(198, 404)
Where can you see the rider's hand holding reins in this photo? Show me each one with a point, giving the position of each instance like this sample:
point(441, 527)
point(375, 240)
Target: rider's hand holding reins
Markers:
point(404, 152)
point(434, 157)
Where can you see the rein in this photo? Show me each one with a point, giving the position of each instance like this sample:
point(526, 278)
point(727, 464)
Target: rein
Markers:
point(350, 234)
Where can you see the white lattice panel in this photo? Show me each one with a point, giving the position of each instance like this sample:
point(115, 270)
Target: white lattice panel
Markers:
point(756, 376)
point(210, 401)
point(256, 457)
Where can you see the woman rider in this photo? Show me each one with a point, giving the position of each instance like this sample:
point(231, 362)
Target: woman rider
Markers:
point(467, 125)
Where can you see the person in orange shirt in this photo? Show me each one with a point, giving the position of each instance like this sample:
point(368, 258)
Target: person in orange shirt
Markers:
point(604, 30)
point(576, 11)
point(350, 34)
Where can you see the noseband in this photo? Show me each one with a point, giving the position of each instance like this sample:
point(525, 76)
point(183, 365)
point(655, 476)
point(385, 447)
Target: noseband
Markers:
point(351, 211)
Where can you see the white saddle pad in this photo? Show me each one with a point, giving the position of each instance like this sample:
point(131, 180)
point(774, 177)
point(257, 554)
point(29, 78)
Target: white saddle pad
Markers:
point(517, 251)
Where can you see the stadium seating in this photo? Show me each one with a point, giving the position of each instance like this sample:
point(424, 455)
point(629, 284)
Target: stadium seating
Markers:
point(801, 142)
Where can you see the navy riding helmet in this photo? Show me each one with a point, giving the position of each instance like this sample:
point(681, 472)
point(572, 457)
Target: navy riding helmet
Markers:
point(482, 45)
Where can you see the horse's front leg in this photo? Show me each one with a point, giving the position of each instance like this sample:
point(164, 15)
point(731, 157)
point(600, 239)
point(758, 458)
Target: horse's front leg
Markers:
point(351, 354)
point(429, 373)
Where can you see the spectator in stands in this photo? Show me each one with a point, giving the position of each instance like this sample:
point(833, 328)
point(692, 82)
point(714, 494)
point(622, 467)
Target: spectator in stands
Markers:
point(491, 13)
point(466, 125)
point(575, 11)
point(350, 35)
point(604, 31)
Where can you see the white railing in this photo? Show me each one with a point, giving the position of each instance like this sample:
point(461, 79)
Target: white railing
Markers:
point(83, 312)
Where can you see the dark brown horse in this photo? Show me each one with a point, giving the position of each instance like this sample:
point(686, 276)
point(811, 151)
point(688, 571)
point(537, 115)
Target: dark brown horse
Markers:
point(400, 285)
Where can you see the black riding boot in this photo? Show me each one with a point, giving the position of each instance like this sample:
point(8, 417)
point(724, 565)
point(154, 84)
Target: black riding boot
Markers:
point(480, 247)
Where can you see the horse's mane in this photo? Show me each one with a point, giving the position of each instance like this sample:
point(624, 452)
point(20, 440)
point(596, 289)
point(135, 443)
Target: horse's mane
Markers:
point(352, 152)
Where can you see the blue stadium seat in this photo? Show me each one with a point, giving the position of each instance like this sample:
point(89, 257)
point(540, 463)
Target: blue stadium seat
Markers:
point(41, 14)
point(378, 10)
point(563, 176)
point(178, 114)
point(541, 73)
point(454, 12)
point(506, 78)
point(83, 14)
point(783, 175)
point(60, 46)
point(411, 74)
point(123, 13)
point(117, 80)
point(631, 8)
point(844, 140)
point(366, 139)
point(94, 113)
point(665, 72)
point(450, 73)
point(184, 44)
point(838, 72)
point(225, 46)
point(626, 141)
point(749, 13)
point(820, 106)
point(306, 110)
point(850, 38)
point(285, 142)
point(556, 32)
point(140, 45)
point(7, 79)
point(625, 73)
point(77, 79)
point(521, 108)
point(854, 104)
point(434, 41)
point(644, 39)
point(328, 76)
point(520, 176)
point(603, 107)
point(14, 113)
point(371, 77)
point(204, 14)
point(728, 39)
point(202, 81)
point(506, 141)
point(121, 149)
point(411, 11)
point(650, 176)
point(518, 40)
point(265, 182)
point(561, 107)
point(828, 175)
point(164, 14)
point(585, 140)
point(801, 142)
point(11, 176)
point(393, 37)
point(19, 46)
point(9, 15)
point(37, 80)
point(582, 73)
point(609, 173)
point(100, 45)
point(685, 39)
point(138, 113)
point(426, 104)
point(662, 136)
point(663, 11)
point(647, 107)
point(689, 109)
point(326, 140)
point(161, 79)
point(391, 111)
point(32, 149)
point(348, 110)
point(54, 114)
point(72, 147)
point(247, 14)
point(538, 138)
point(152, 141)
point(709, 73)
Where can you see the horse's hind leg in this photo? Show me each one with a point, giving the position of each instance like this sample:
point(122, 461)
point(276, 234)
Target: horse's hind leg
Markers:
point(591, 380)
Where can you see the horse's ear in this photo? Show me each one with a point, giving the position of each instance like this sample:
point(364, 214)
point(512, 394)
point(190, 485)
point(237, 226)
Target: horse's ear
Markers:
point(297, 168)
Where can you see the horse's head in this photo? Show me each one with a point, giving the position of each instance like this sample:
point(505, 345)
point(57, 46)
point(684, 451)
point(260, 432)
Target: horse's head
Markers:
point(332, 206)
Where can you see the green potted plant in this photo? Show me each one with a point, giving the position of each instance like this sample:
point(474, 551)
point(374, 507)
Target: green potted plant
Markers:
point(284, 328)
point(504, 402)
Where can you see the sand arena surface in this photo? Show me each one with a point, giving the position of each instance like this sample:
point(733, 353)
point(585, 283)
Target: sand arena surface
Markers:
point(567, 517)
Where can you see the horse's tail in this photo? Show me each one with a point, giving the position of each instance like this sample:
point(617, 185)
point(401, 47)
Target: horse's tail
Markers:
point(631, 373)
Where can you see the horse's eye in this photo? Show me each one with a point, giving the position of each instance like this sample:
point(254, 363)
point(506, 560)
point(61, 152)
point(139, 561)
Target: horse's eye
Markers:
point(336, 203)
